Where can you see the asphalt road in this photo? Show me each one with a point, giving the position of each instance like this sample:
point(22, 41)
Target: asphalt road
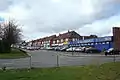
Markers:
point(43, 58)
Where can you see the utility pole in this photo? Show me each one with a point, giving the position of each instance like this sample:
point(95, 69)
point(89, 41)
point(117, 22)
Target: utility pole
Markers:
point(30, 61)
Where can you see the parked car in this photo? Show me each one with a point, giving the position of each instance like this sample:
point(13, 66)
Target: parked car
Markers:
point(70, 49)
point(36, 48)
point(63, 48)
point(92, 50)
point(50, 48)
point(78, 49)
point(57, 48)
point(41, 48)
point(83, 49)
point(22, 47)
point(30, 48)
point(112, 51)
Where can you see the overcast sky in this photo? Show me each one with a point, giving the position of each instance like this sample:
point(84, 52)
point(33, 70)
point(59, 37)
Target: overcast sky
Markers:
point(41, 18)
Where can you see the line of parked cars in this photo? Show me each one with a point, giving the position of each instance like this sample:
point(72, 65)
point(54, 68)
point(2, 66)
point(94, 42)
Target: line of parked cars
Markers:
point(76, 49)
point(110, 51)
point(30, 48)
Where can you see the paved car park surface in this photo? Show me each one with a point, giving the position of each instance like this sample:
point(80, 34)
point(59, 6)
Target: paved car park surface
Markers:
point(44, 58)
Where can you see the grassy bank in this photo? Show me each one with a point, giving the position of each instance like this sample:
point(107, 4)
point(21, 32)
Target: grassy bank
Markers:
point(15, 53)
point(108, 71)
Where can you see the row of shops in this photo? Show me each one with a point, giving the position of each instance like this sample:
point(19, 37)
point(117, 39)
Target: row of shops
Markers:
point(100, 43)
point(73, 39)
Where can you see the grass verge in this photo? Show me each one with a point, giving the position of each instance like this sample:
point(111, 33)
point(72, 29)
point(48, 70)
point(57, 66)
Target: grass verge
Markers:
point(108, 71)
point(15, 53)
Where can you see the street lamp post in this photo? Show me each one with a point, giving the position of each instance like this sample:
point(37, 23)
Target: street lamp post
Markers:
point(2, 45)
point(30, 62)
point(57, 60)
point(72, 50)
point(114, 57)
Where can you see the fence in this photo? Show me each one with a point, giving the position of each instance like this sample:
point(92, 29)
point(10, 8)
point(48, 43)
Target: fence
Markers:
point(57, 60)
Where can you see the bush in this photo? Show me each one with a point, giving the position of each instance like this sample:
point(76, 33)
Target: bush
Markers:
point(4, 47)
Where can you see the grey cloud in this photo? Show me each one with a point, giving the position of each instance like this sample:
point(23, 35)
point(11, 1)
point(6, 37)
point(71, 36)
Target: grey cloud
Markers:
point(53, 17)
point(4, 4)
point(56, 17)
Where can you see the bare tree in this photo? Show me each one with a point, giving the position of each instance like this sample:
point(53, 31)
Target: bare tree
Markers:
point(0, 31)
point(11, 34)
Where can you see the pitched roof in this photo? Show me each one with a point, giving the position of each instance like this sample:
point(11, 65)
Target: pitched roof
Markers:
point(69, 34)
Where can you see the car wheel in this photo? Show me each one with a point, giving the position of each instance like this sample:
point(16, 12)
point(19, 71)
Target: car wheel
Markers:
point(90, 51)
point(105, 53)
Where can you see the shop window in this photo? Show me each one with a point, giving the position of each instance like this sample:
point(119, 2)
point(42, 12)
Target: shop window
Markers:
point(73, 39)
point(54, 42)
point(66, 39)
point(58, 41)
point(61, 40)
point(107, 42)
point(91, 43)
point(103, 43)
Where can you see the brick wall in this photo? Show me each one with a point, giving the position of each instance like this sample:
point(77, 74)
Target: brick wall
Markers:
point(116, 38)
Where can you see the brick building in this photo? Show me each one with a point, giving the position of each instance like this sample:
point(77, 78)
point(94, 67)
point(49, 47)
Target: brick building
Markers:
point(116, 38)
point(60, 40)
point(66, 38)
point(63, 39)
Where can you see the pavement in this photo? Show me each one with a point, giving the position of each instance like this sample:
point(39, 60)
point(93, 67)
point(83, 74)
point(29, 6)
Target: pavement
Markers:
point(44, 58)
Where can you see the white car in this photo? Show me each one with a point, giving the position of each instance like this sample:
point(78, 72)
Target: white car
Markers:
point(109, 50)
point(78, 49)
point(71, 49)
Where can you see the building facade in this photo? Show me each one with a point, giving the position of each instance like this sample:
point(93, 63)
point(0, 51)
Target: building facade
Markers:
point(100, 43)
point(72, 38)
point(61, 40)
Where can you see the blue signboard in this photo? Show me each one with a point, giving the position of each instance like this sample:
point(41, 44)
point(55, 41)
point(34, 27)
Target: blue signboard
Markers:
point(94, 40)
point(102, 39)
point(86, 41)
